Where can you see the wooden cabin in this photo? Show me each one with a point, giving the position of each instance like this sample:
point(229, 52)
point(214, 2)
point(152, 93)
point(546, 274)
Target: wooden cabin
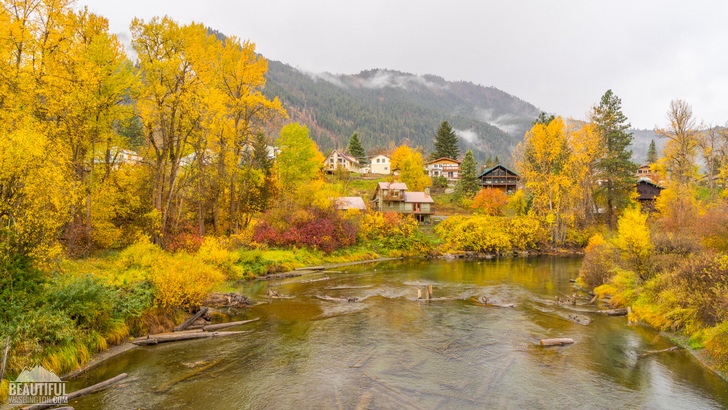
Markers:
point(499, 177)
point(648, 192)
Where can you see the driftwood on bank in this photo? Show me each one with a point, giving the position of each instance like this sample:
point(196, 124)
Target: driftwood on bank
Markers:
point(653, 352)
point(559, 341)
point(230, 299)
point(612, 312)
point(210, 328)
point(78, 393)
point(191, 320)
point(176, 337)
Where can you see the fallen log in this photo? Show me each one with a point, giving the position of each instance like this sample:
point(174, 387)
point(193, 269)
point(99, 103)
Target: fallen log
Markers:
point(593, 300)
point(560, 341)
point(332, 299)
point(169, 337)
point(78, 393)
point(210, 328)
point(612, 312)
point(168, 384)
point(652, 352)
point(191, 320)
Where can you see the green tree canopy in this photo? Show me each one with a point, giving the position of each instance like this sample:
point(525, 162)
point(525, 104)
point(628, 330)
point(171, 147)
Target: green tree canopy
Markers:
point(356, 150)
point(615, 165)
point(468, 185)
point(446, 143)
point(652, 153)
point(300, 161)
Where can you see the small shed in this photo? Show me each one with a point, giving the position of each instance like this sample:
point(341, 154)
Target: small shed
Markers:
point(647, 190)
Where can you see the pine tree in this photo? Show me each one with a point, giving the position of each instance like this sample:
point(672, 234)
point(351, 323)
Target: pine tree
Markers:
point(356, 150)
point(468, 184)
point(652, 153)
point(615, 166)
point(446, 143)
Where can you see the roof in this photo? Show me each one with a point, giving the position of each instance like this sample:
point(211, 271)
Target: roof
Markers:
point(345, 156)
point(380, 155)
point(442, 159)
point(349, 202)
point(649, 182)
point(497, 166)
point(392, 185)
point(418, 197)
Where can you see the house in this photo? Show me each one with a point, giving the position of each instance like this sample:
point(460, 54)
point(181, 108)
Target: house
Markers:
point(394, 197)
point(388, 195)
point(344, 203)
point(447, 167)
point(338, 158)
point(380, 164)
point(419, 204)
point(645, 172)
point(648, 192)
point(499, 177)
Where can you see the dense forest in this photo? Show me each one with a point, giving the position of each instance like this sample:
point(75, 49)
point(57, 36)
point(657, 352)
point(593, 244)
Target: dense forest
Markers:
point(387, 108)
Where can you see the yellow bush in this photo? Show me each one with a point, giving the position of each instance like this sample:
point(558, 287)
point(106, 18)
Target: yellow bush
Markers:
point(622, 287)
point(183, 281)
point(214, 251)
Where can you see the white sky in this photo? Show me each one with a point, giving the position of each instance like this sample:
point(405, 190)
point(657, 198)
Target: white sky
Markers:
point(558, 55)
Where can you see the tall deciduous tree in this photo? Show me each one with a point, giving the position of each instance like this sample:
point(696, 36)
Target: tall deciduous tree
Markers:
point(468, 184)
point(446, 142)
point(356, 150)
point(652, 153)
point(300, 161)
point(543, 161)
point(615, 167)
point(682, 142)
point(411, 169)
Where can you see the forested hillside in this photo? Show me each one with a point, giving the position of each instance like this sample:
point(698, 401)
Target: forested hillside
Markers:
point(387, 108)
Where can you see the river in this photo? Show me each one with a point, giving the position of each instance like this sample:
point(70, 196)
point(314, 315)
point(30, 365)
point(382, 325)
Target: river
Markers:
point(389, 351)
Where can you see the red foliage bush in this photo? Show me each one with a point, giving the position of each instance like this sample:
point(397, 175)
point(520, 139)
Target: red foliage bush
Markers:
point(326, 230)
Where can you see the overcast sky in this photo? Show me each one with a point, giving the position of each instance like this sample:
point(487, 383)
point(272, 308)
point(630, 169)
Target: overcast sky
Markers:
point(558, 55)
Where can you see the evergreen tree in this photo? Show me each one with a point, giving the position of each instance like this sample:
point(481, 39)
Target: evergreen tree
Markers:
point(497, 161)
point(446, 143)
point(615, 166)
point(544, 119)
point(356, 150)
point(468, 184)
point(652, 153)
point(489, 162)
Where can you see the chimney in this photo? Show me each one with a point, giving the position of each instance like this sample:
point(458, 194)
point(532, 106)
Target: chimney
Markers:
point(427, 191)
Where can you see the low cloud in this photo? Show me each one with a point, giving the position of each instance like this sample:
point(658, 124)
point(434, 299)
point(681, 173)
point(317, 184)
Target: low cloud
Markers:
point(506, 122)
point(328, 77)
point(383, 79)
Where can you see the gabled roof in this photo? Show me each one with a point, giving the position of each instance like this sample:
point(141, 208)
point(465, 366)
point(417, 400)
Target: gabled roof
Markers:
point(349, 202)
point(487, 171)
point(380, 155)
point(442, 159)
point(345, 156)
point(418, 197)
point(392, 185)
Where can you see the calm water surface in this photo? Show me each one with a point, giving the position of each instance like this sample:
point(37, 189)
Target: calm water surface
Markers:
point(390, 351)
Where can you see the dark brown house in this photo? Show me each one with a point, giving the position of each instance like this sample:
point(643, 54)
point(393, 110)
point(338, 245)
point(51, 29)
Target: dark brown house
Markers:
point(499, 177)
point(648, 192)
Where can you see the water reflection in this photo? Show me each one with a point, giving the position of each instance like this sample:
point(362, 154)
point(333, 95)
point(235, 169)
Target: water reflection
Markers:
point(388, 350)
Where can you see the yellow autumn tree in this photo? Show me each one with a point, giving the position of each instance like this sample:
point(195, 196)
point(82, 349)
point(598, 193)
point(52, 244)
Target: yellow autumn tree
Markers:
point(411, 168)
point(633, 239)
point(543, 159)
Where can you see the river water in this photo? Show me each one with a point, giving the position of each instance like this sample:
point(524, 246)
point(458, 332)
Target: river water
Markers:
point(388, 350)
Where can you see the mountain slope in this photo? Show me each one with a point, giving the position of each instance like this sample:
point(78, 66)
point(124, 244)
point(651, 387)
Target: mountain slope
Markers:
point(387, 108)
